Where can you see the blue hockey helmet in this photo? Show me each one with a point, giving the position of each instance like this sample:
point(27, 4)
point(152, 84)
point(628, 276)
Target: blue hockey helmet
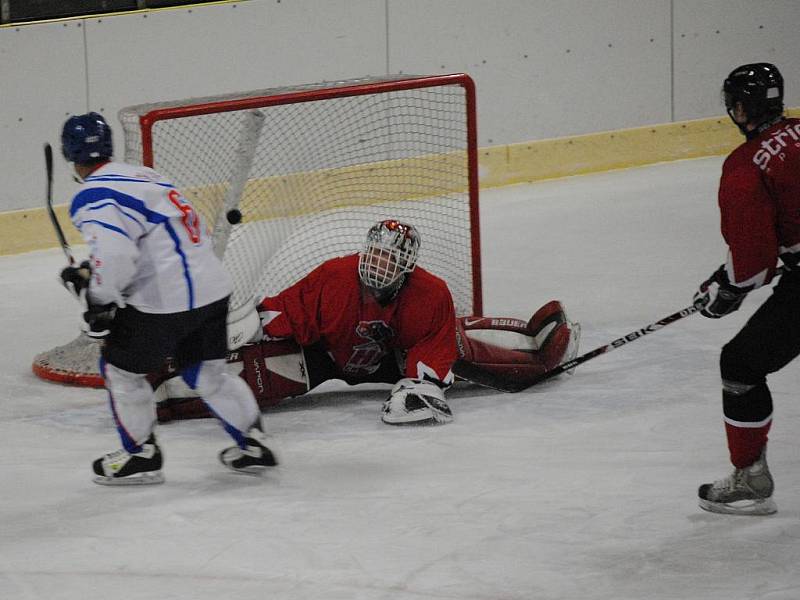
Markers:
point(86, 139)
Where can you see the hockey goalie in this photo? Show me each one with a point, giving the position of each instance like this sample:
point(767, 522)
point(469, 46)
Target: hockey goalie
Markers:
point(377, 317)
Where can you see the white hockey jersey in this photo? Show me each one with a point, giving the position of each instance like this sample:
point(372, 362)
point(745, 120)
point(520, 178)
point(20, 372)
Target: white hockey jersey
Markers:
point(149, 247)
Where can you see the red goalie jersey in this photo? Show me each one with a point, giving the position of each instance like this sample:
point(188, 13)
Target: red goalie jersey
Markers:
point(329, 307)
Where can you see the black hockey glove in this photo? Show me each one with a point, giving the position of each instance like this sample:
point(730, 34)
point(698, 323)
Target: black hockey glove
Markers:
point(76, 279)
point(97, 316)
point(99, 319)
point(717, 296)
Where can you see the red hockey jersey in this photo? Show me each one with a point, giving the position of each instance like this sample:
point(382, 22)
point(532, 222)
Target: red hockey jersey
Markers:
point(329, 305)
point(759, 201)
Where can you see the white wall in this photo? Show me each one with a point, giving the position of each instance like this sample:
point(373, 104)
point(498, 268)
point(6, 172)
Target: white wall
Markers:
point(712, 37)
point(543, 68)
point(546, 68)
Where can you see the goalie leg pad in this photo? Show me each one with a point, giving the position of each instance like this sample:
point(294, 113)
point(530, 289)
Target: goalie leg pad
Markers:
point(514, 349)
point(275, 370)
point(555, 335)
point(562, 345)
point(545, 320)
point(502, 346)
point(418, 402)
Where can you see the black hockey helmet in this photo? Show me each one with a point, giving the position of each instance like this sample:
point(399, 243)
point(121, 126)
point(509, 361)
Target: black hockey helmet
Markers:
point(759, 87)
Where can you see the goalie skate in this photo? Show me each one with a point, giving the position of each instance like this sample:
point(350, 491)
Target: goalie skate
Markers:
point(746, 491)
point(125, 468)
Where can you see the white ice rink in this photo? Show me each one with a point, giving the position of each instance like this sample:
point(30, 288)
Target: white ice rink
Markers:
point(581, 489)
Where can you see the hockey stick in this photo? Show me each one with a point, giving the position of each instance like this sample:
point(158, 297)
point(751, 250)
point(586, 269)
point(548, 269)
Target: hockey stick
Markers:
point(243, 321)
point(244, 155)
point(482, 377)
point(48, 163)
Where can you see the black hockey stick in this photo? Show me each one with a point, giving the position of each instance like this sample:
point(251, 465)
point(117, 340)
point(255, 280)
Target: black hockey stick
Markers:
point(48, 163)
point(478, 375)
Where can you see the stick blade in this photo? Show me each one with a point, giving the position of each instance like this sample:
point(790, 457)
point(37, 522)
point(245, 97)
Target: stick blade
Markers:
point(481, 376)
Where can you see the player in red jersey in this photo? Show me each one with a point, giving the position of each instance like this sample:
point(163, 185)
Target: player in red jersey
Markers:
point(351, 315)
point(759, 200)
point(378, 317)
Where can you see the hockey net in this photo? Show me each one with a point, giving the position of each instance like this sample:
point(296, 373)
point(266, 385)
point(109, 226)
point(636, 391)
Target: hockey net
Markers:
point(309, 169)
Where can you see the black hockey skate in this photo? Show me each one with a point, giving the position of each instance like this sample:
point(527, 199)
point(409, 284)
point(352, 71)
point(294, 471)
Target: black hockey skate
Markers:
point(254, 458)
point(125, 468)
point(746, 491)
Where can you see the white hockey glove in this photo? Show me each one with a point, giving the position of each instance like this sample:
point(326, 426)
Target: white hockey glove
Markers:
point(414, 401)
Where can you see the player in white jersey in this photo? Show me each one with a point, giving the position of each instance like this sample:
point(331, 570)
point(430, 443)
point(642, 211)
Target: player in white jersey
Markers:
point(155, 291)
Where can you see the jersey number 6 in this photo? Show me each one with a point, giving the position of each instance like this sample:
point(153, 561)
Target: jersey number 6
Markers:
point(190, 219)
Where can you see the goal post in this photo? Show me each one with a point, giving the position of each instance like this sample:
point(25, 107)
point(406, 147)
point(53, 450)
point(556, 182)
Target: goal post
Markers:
point(310, 168)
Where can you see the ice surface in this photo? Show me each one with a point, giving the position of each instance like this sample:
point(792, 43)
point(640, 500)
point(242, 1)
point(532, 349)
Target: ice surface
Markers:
point(583, 488)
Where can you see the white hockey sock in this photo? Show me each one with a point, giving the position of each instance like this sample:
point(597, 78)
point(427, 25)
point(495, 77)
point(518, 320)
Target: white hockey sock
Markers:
point(132, 405)
point(228, 396)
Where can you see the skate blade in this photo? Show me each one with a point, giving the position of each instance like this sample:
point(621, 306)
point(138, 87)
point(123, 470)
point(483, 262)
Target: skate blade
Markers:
point(149, 478)
point(765, 506)
point(426, 422)
point(251, 470)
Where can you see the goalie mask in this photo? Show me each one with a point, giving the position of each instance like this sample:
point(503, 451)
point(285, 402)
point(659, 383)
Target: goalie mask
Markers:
point(390, 252)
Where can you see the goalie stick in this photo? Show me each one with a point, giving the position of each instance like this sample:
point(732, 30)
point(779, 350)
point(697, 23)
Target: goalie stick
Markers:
point(478, 375)
point(243, 321)
point(48, 163)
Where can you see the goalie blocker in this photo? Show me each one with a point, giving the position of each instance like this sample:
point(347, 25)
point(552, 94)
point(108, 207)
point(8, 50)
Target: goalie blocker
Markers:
point(507, 348)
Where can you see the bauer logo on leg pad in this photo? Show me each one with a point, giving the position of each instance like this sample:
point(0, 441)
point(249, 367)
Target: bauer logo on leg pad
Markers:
point(499, 323)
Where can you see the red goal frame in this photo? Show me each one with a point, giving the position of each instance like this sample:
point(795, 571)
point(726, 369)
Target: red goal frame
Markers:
point(148, 120)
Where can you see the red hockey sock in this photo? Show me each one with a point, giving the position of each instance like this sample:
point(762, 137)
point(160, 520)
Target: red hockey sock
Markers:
point(746, 443)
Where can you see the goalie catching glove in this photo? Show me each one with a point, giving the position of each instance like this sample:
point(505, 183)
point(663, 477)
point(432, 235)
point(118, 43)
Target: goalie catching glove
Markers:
point(416, 401)
point(98, 317)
